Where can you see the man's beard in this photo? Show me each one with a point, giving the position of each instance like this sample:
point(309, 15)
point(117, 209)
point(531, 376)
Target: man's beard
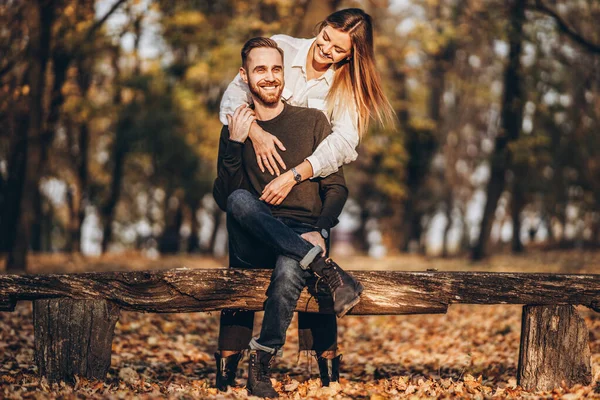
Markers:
point(268, 98)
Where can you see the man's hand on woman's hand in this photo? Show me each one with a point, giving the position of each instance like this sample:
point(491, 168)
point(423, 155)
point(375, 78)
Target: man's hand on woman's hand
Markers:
point(264, 147)
point(239, 123)
point(277, 190)
point(316, 239)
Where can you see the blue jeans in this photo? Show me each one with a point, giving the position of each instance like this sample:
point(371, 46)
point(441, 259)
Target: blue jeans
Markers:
point(257, 239)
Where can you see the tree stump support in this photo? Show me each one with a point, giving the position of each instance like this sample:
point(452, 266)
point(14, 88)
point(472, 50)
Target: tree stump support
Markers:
point(73, 337)
point(554, 348)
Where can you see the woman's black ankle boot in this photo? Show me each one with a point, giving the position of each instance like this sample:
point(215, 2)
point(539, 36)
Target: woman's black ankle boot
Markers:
point(226, 370)
point(329, 369)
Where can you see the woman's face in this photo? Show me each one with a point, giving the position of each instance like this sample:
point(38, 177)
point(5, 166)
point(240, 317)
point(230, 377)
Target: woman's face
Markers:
point(332, 46)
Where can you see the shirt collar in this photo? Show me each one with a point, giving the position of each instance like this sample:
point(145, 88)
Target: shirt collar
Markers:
point(300, 61)
point(328, 75)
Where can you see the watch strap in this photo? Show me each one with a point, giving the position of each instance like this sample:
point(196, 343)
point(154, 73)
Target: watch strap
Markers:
point(297, 176)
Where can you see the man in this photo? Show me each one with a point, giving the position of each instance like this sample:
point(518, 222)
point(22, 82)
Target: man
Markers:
point(289, 236)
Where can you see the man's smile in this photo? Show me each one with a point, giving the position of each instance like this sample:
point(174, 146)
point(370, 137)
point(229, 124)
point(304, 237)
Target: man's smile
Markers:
point(269, 86)
point(267, 91)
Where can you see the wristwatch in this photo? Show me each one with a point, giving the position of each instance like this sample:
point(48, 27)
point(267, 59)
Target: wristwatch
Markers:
point(297, 176)
point(324, 233)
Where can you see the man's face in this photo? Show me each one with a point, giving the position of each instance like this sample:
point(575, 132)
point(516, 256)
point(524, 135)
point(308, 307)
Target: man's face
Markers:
point(264, 75)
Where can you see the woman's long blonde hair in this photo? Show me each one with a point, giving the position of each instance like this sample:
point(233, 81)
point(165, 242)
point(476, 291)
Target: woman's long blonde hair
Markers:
point(357, 79)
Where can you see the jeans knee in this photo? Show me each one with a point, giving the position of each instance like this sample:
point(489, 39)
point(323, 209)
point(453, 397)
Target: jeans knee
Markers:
point(239, 202)
point(287, 276)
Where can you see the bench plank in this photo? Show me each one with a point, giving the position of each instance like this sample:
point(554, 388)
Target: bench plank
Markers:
point(386, 292)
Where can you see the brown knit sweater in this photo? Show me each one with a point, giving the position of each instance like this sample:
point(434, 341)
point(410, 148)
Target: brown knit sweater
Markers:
point(318, 202)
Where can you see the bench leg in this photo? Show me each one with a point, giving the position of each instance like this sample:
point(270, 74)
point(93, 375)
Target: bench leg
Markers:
point(554, 348)
point(73, 337)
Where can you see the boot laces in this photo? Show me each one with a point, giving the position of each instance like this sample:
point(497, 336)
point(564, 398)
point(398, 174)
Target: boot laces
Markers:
point(260, 371)
point(265, 376)
point(332, 275)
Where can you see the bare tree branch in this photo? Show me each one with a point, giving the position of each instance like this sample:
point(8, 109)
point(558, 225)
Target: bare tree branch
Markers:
point(102, 20)
point(565, 28)
point(90, 33)
point(85, 38)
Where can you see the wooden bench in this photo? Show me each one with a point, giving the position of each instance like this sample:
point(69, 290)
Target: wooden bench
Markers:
point(75, 314)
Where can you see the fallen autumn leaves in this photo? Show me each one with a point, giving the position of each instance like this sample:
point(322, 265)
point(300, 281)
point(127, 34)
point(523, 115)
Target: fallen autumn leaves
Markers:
point(470, 352)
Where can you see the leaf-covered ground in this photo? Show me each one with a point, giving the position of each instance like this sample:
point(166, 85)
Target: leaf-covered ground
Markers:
point(470, 352)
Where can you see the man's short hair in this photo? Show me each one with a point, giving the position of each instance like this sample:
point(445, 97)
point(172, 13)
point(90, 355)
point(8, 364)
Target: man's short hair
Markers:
point(256, 43)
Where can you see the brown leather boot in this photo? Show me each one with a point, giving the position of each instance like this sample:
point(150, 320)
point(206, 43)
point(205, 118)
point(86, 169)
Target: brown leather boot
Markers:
point(345, 290)
point(259, 374)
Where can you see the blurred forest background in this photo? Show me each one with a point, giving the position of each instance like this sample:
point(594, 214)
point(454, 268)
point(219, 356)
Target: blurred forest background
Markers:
point(109, 124)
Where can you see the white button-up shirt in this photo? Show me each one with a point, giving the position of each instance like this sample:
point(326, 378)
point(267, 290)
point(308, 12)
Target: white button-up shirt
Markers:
point(336, 149)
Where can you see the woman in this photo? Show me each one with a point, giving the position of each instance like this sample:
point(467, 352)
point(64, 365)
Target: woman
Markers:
point(334, 72)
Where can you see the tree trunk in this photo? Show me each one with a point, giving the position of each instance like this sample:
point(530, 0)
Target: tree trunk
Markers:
point(120, 150)
point(437, 74)
point(362, 234)
point(122, 142)
point(108, 211)
point(170, 240)
point(420, 146)
point(73, 337)
point(60, 63)
point(465, 237)
point(554, 348)
point(41, 18)
point(47, 225)
point(437, 78)
point(2, 196)
point(15, 127)
point(73, 242)
point(518, 203)
point(449, 207)
point(11, 204)
point(82, 172)
point(413, 227)
point(512, 119)
point(194, 239)
point(38, 221)
point(217, 217)
point(79, 155)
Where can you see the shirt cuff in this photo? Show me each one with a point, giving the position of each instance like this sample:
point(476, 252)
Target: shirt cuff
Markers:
point(325, 222)
point(223, 118)
point(234, 149)
point(316, 166)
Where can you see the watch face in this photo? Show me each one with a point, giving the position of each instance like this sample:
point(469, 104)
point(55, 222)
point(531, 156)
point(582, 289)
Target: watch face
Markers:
point(297, 176)
point(324, 233)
